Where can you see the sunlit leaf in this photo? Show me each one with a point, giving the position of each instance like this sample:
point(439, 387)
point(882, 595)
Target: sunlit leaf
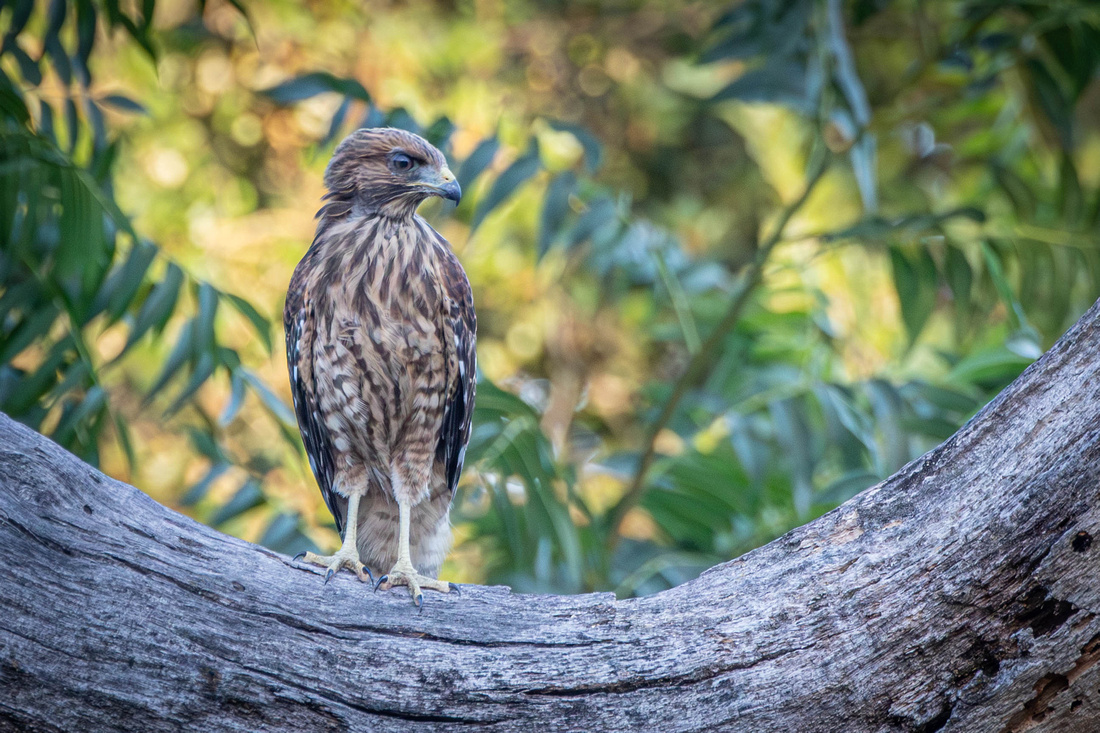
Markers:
point(555, 208)
point(310, 85)
point(158, 307)
point(261, 325)
point(507, 182)
point(123, 103)
point(476, 163)
point(248, 496)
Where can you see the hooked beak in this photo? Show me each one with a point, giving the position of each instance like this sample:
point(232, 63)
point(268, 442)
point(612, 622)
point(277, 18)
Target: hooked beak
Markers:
point(448, 187)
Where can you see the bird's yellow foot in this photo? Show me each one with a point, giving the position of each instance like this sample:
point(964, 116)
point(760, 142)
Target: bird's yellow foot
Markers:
point(407, 575)
point(345, 557)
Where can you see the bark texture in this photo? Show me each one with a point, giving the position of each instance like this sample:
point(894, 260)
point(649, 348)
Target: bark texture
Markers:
point(959, 595)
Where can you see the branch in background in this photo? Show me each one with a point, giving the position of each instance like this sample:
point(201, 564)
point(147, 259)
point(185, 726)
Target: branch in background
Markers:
point(704, 357)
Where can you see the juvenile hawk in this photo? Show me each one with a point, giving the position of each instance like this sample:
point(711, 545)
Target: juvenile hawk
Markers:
point(380, 346)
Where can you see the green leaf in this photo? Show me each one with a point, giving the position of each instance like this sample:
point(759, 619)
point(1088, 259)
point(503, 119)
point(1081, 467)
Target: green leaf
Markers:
point(555, 208)
point(779, 81)
point(248, 496)
point(72, 420)
point(847, 486)
point(261, 325)
point(122, 286)
point(506, 184)
point(204, 322)
point(33, 386)
point(124, 103)
point(204, 369)
point(337, 122)
point(34, 326)
point(888, 406)
point(601, 214)
point(480, 159)
point(593, 150)
point(196, 493)
point(310, 85)
point(915, 281)
point(864, 161)
point(990, 369)
point(158, 307)
point(27, 67)
point(270, 400)
point(1000, 282)
point(282, 529)
point(179, 356)
point(236, 399)
point(1052, 100)
point(960, 278)
point(85, 28)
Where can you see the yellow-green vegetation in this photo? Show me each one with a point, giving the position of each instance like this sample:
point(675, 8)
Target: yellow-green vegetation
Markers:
point(733, 262)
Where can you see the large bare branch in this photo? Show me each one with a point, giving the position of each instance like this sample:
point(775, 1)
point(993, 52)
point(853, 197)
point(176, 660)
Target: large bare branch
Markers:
point(959, 595)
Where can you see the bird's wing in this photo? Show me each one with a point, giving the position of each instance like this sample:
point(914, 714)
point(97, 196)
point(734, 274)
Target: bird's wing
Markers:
point(315, 435)
point(458, 411)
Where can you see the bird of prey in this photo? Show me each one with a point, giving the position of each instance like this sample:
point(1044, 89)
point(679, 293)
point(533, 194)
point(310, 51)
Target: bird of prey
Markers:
point(380, 336)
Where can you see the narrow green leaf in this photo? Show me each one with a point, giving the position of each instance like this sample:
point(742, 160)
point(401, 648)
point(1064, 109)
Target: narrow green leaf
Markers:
point(179, 356)
point(847, 486)
point(124, 103)
point(208, 310)
point(1000, 282)
point(601, 213)
point(337, 122)
point(915, 281)
point(94, 401)
point(248, 496)
point(593, 151)
point(282, 529)
point(555, 208)
point(33, 326)
point(261, 324)
point(474, 165)
point(158, 307)
point(310, 85)
point(887, 406)
point(989, 369)
point(236, 399)
point(196, 493)
point(506, 184)
point(122, 286)
point(270, 400)
point(203, 370)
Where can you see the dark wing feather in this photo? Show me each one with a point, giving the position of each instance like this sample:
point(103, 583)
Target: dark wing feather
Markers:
point(315, 436)
point(458, 413)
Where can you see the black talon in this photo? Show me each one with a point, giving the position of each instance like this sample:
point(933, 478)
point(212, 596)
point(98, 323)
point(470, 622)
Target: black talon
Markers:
point(328, 575)
point(455, 588)
point(381, 580)
point(298, 557)
point(370, 575)
point(419, 602)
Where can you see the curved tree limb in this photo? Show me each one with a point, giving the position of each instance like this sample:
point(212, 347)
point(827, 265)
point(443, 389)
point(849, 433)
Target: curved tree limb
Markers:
point(959, 595)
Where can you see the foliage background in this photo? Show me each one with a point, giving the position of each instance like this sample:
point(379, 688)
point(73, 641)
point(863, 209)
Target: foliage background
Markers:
point(732, 262)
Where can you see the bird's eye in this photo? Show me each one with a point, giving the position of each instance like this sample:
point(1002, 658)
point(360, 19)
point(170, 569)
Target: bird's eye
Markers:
point(401, 162)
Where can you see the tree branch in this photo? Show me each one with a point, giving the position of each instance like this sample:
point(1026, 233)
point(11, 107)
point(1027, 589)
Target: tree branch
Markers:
point(704, 357)
point(962, 594)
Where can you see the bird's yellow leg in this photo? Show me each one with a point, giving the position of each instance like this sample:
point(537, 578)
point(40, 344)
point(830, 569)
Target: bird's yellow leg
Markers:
point(348, 554)
point(403, 573)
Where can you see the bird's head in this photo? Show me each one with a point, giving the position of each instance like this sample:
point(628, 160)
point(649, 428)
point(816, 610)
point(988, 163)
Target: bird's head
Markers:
point(388, 171)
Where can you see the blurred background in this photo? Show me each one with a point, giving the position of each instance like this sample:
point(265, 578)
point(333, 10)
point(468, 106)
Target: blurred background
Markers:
point(733, 262)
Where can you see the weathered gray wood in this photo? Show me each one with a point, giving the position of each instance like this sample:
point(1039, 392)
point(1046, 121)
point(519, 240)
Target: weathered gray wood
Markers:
point(959, 595)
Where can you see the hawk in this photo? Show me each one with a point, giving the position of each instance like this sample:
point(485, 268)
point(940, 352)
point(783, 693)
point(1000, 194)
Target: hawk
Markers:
point(380, 334)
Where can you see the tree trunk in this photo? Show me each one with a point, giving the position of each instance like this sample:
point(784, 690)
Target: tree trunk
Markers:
point(959, 595)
